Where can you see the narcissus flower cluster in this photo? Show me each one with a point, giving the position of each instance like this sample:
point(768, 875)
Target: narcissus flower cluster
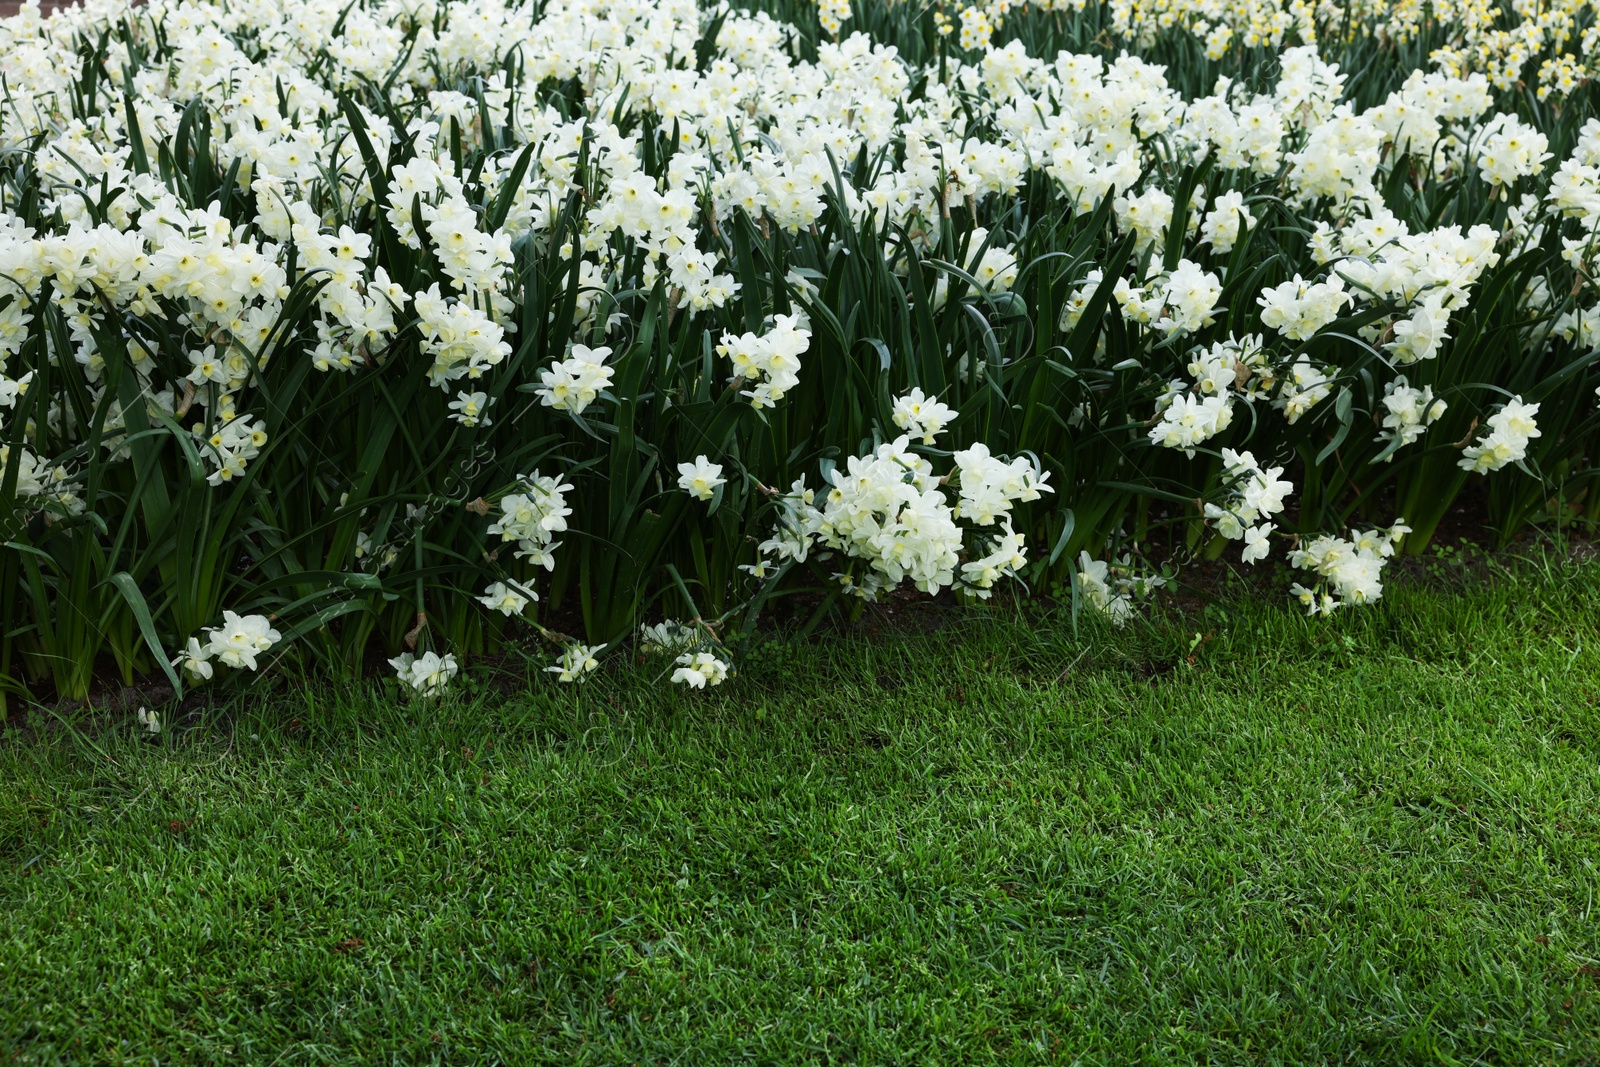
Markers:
point(414, 324)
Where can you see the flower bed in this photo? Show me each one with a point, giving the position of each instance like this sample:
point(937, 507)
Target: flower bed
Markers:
point(411, 326)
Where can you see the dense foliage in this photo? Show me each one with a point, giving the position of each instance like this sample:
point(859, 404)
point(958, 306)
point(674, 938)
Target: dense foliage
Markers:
point(400, 326)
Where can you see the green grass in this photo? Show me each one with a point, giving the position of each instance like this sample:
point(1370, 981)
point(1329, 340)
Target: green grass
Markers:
point(1372, 839)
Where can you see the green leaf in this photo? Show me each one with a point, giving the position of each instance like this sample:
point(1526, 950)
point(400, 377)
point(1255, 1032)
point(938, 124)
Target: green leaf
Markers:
point(124, 583)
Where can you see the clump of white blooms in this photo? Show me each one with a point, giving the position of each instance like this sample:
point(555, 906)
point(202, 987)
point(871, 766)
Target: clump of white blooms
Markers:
point(1146, 215)
point(533, 517)
point(832, 14)
point(1509, 149)
point(1188, 419)
point(698, 670)
point(1510, 430)
point(463, 341)
point(1304, 386)
point(508, 598)
point(576, 662)
point(1408, 412)
point(1298, 308)
point(976, 28)
point(422, 248)
point(236, 643)
point(1348, 570)
point(887, 510)
point(989, 486)
point(231, 446)
point(1178, 302)
point(668, 636)
point(922, 416)
point(241, 637)
point(768, 365)
point(427, 674)
point(1191, 412)
point(1225, 221)
point(1111, 586)
point(1254, 495)
point(574, 383)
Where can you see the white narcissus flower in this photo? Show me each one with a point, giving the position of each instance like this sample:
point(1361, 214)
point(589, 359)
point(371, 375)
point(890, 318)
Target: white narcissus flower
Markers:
point(1305, 385)
point(1315, 602)
point(700, 478)
point(572, 384)
point(1256, 545)
point(1189, 295)
point(508, 598)
point(1255, 493)
point(922, 416)
point(240, 637)
point(207, 366)
point(149, 721)
point(771, 361)
point(1221, 227)
point(668, 636)
point(1506, 442)
point(1298, 308)
point(575, 662)
point(1350, 570)
point(1005, 557)
point(989, 485)
point(428, 673)
point(1408, 412)
point(196, 660)
point(1094, 582)
point(1420, 336)
point(1510, 149)
point(533, 517)
point(12, 389)
point(1146, 215)
point(1190, 420)
point(470, 409)
point(699, 669)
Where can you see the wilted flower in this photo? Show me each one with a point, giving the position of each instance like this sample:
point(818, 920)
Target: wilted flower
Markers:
point(1094, 583)
point(668, 636)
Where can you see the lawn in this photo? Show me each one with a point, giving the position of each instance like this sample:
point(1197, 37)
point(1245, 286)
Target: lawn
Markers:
point(1234, 835)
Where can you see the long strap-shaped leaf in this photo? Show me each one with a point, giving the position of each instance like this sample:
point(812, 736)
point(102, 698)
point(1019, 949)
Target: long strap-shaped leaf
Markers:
point(141, 614)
